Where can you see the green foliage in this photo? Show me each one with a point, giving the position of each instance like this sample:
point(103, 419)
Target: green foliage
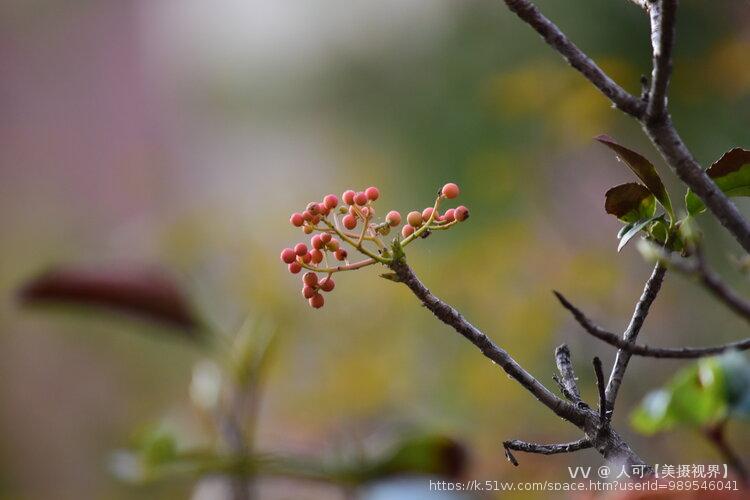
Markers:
point(698, 396)
point(630, 202)
point(731, 173)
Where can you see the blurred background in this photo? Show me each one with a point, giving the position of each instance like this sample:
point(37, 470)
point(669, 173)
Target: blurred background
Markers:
point(184, 133)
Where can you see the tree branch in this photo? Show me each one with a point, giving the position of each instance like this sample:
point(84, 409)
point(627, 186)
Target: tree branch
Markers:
point(650, 291)
point(662, 15)
point(543, 449)
point(453, 318)
point(604, 415)
point(556, 39)
point(567, 375)
point(716, 435)
point(645, 350)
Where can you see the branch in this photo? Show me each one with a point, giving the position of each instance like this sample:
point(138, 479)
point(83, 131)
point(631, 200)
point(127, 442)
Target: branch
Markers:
point(543, 449)
point(716, 435)
point(453, 318)
point(604, 415)
point(650, 291)
point(644, 350)
point(567, 379)
point(662, 16)
point(556, 39)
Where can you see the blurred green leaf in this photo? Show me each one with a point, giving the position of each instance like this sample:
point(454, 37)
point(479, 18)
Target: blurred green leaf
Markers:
point(652, 415)
point(643, 169)
point(634, 229)
point(630, 202)
point(427, 454)
point(737, 373)
point(731, 173)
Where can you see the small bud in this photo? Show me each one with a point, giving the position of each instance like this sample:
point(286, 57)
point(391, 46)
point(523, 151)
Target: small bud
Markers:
point(427, 213)
point(450, 190)
point(393, 218)
point(308, 229)
point(333, 245)
point(407, 231)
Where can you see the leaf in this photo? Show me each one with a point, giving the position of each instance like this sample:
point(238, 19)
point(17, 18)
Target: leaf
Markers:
point(145, 292)
point(630, 202)
point(731, 173)
point(425, 454)
point(652, 415)
point(643, 169)
point(635, 228)
point(391, 276)
point(737, 374)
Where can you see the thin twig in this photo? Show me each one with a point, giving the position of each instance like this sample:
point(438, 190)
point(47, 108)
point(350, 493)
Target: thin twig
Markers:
point(716, 436)
point(530, 14)
point(662, 15)
point(542, 449)
point(567, 374)
point(650, 291)
point(603, 413)
point(645, 350)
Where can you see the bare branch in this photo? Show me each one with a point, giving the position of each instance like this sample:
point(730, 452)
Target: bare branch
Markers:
point(604, 415)
point(453, 318)
point(543, 449)
point(567, 375)
point(644, 350)
point(556, 39)
point(650, 291)
point(662, 14)
point(716, 435)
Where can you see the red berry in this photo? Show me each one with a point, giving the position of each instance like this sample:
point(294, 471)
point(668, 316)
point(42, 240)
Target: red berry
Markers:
point(316, 242)
point(349, 221)
point(450, 190)
point(297, 219)
point(316, 256)
point(316, 301)
point(300, 249)
point(308, 291)
point(310, 278)
point(348, 197)
point(323, 209)
point(372, 193)
point(414, 219)
point(360, 199)
point(307, 215)
point(407, 231)
point(325, 238)
point(295, 267)
point(340, 254)
point(312, 207)
point(450, 215)
point(288, 256)
point(427, 212)
point(393, 218)
point(306, 258)
point(315, 220)
point(327, 284)
point(462, 213)
point(330, 201)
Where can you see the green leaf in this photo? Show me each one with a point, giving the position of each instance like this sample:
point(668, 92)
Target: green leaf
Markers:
point(634, 229)
point(737, 374)
point(652, 415)
point(643, 169)
point(731, 173)
point(630, 202)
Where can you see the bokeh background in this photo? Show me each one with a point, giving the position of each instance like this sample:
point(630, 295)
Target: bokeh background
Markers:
point(184, 132)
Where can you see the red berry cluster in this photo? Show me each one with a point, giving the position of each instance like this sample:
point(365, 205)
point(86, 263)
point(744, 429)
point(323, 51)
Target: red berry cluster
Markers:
point(354, 223)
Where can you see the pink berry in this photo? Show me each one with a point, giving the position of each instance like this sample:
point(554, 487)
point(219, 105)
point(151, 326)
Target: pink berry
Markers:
point(310, 278)
point(307, 215)
point(372, 193)
point(450, 190)
point(296, 219)
point(348, 197)
point(393, 218)
point(313, 208)
point(407, 231)
point(308, 291)
point(360, 199)
point(450, 215)
point(323, 209)
point(307, 258)
point(414, 218)
point(340, 254)
point(316, 242)
point(288, 256)
point(316, 256)
point(300, 249)
point(327, 284)
point(331, 201)
point(295, 267)
point(427, 212)
point(349, 221)
point(316, 301)
point(462, 213)
point(325, 238)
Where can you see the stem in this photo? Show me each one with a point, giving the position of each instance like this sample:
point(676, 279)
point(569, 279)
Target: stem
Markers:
point(716, 436)
point(348, 267)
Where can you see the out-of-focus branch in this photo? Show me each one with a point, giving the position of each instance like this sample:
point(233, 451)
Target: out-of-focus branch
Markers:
point(716, 436)
point(645, 350)
point(543, 449)
point(556, 39)
point(650, 291)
